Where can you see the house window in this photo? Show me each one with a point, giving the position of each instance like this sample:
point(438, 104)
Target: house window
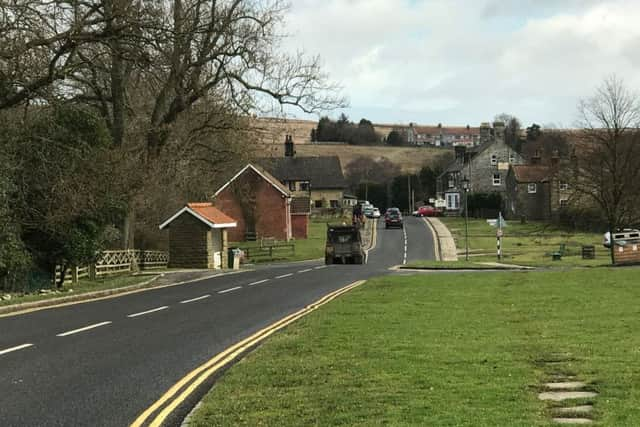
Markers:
point(450, 182)
point(497, 180)
point(563, 203)
point(564, 186)
point(292, 186)
point(453, 201)
point(512, 158)
point(317, 203)
point(532, 188)
point(494, 159)
point(304, 185)
point(334, 203)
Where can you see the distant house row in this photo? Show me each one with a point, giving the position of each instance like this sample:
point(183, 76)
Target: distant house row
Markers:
point(529, 182)
point(451, 136)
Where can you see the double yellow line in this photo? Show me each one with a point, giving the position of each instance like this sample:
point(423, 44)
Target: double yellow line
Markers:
point(174, 396)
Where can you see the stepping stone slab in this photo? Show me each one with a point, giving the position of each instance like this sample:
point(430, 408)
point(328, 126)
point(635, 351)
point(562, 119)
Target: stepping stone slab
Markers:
point(565, 395)
point(567, 385)
point(583, 409)
point(572, 421)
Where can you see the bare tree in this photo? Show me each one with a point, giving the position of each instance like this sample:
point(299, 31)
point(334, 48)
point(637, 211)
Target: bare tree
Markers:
point(604, 168)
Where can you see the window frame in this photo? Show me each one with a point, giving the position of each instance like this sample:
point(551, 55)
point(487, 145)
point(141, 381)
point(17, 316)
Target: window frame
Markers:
point(532, 188)
point(497, 182)
point(564, 186)
point(494, 159)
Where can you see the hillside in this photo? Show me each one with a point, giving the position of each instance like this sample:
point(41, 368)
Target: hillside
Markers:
point(409, 159)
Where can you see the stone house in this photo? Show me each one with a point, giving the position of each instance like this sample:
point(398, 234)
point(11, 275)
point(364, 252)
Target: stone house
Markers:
point(484, 167)
point(318, 179)
point(198, 236)
point(262, 206)
point(529, 192)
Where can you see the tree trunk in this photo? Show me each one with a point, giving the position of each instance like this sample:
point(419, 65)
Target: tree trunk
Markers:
point(128, 228)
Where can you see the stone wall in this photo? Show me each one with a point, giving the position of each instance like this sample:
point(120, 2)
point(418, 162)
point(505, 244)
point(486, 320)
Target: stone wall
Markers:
point(480, 171)
point(533, 206)
point(188, 242)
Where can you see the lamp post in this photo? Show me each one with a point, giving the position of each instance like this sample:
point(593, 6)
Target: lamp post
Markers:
point(465, 187)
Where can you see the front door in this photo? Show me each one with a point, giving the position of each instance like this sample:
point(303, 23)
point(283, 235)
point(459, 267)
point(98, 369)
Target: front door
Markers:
point(453, 201)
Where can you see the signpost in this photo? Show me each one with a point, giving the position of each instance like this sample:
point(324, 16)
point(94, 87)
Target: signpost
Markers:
point(499, 223)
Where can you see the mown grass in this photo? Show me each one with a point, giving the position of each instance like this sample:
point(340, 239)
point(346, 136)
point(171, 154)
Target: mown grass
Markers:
point(83, 286)
point(466, 349)
point(530, 244)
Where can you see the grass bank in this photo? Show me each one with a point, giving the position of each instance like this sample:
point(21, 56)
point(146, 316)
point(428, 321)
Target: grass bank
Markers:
point(530, 244)
point(459, 349)
point(82, 287)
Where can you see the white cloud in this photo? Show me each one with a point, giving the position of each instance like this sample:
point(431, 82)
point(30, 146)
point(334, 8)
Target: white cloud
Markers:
point(458, 62)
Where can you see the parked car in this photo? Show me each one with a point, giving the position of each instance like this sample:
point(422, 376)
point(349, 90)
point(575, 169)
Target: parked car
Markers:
point(368, 211)
point(393, 218)
point(427, 210)
point(620, 236)
point(376, 213)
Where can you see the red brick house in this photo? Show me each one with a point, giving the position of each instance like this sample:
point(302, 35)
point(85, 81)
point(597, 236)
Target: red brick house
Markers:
point(198, 236)
point(262, 206)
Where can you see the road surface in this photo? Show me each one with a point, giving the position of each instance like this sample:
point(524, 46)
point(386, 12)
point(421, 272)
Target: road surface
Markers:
point(102, 363)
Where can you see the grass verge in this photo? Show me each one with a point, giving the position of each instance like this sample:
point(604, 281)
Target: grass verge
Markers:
point(461, 349)
point(529, 244)
point(451, 265)
point(82, 287)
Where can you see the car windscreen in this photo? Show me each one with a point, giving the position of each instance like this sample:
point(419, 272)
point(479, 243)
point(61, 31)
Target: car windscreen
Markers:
point(343, 237)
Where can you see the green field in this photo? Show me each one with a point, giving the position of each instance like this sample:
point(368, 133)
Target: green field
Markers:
point(466, 349)
point(526, 244)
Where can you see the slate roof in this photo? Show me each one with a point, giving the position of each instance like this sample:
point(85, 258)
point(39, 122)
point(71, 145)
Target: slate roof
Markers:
point(530, 173)
point(324, 172)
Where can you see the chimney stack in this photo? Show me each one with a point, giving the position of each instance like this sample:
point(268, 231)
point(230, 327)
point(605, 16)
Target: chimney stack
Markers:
point(288, 146)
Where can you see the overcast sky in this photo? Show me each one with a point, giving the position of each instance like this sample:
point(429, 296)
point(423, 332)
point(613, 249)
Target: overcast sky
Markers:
point(464, 61)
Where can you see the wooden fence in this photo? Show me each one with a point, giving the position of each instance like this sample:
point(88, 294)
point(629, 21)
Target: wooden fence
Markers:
point(115, 262)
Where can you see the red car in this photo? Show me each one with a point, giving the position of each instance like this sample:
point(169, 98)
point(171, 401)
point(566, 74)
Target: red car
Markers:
point(428, 211)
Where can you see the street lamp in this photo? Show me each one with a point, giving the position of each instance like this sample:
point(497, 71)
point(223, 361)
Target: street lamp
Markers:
point(465, 187)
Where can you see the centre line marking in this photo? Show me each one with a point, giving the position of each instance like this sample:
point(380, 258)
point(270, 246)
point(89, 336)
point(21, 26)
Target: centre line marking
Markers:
point(164, 307)
point(284, 275)
point(16, 348)
point(86, 328)
point(230, 290)
point(194, 299)
point(305, 271)
point(258, 282)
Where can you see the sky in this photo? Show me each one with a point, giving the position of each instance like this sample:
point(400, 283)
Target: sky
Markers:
point(460, 62)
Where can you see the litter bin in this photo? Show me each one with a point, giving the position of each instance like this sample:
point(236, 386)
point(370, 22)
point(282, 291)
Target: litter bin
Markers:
point(234, 258)
point(588, 252)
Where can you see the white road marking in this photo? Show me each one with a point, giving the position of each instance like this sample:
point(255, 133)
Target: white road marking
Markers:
point(284, 275)
point(16, 348)
point(305, 271)
point(187, 301)
point(86, 328)
point(230, 290)
point(319, 267)
point(404, 258)
point(164, 307)
point(258, 282)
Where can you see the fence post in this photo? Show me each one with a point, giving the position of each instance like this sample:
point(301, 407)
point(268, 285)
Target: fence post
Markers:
point(74, 274)
point(92, 271)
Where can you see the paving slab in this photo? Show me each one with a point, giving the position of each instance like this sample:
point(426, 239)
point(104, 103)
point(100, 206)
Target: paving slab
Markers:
point(565, 395)
point(565, 385)
point(582, 409)
point(572, 421)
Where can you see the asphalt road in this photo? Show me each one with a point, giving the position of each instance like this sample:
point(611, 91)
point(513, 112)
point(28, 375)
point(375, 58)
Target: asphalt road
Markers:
point(102, 363)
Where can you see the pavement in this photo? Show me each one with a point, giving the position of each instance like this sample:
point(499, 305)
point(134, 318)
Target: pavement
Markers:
point(103, 362)
point(446, 242)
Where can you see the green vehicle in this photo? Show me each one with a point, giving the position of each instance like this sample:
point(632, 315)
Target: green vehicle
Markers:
point(344, 245)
